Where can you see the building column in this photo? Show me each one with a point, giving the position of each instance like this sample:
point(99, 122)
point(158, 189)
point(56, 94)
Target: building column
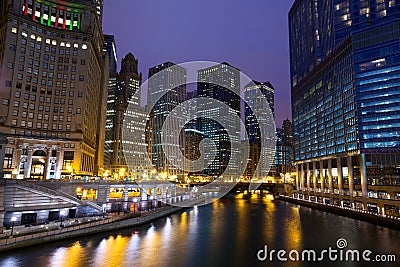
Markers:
point(126, 204)
point(321, 175)
point(17, 161)
point(48, 164)
point(298, 177)
point(302, 177)
point(308, 178)
point(59, 164)
point(28, 164)
point(314, 175)
point(351, 179)
point(364, 181)
point(330, 179)
point(340, 178)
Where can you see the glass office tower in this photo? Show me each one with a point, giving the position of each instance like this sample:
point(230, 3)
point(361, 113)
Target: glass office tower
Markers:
point(345, 70)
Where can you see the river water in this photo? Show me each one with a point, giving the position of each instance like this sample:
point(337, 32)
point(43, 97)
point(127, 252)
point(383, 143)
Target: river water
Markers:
point(228, 232)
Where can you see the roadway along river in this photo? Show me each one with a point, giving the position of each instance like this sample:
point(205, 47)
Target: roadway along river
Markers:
point(228, 232)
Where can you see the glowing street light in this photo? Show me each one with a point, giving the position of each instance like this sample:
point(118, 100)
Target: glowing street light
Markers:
point(62, 213)
point(13, 219)
point(104, 209)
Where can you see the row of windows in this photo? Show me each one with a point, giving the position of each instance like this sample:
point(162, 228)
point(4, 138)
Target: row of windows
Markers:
point(40, 125)
point(50, 75)
point(54, 42)
point(49, 33)
point(40, 134)
point(32, 106)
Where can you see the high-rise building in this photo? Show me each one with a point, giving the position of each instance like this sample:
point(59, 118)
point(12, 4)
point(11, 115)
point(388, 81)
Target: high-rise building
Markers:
point(287, 147)
point(220, 82)
point(255, 105)
point(167, 90)
point(110, 47)
point(284, 151)
point(53, 87)
point(121, 93)
point(345, 66)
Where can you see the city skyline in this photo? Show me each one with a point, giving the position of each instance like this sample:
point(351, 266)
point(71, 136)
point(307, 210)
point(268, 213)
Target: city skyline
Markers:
point(226, 38)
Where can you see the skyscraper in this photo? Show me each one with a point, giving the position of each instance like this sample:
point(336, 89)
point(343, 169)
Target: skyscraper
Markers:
point(220, 82)
point(251, 93)
point(110, 47)
point(53, 80)
point(120, 94)
point(345, 66)
point(167, 90)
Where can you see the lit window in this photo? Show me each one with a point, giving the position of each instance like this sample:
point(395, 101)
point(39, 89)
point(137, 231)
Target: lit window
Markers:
point(14, 30)
point(84, 46)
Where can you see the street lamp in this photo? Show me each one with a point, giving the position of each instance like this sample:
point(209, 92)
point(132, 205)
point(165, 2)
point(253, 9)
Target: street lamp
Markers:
point(13, 219)
point(61, 217)
point(104, 209)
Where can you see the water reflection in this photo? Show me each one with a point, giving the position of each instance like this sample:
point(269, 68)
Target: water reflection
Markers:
point(71, 256)
point(228, 232)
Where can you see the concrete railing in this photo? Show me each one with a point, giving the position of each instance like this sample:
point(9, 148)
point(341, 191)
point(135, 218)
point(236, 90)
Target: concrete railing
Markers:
point(92, 205)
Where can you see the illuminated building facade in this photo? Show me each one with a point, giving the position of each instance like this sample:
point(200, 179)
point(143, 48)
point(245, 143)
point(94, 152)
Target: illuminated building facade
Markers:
point(167, 90)
point(110, 47)
point(252, 126)
point(220, 82)
point(121, 92)
point(53, 86)
point(345, 68)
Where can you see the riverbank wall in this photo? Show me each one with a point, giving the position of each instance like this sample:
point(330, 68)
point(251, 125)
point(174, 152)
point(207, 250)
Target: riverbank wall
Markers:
point(104, 225)
point(346, 212)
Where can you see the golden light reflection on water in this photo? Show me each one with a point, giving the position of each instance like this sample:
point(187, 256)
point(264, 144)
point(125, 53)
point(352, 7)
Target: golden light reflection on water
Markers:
point(293, 226)
point(111, 251)
point(159, 242)
point(243, 223)
point(68, 257)
point(293, 240)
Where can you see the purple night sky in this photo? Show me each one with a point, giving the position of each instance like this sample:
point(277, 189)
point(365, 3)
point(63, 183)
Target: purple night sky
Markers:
point(251, 35)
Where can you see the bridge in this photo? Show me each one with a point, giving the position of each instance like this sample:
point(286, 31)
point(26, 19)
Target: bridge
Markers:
point(241, 187)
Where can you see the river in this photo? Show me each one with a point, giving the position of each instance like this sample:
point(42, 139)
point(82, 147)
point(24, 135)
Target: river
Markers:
point(229, 232)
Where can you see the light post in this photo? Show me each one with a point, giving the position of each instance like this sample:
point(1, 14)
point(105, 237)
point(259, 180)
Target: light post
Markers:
point(61, 217)
point(104, 209)
point(13, 219)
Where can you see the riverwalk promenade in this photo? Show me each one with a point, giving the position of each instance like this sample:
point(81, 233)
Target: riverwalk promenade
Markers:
point(87, 226)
